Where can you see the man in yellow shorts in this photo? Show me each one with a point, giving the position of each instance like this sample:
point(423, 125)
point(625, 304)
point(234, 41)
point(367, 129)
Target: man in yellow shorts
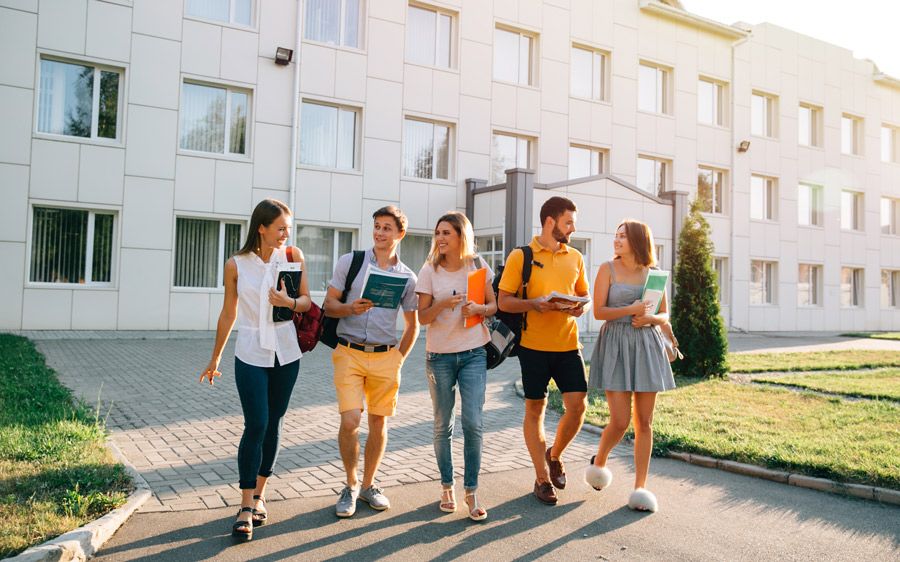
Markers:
point(368, 357)
point(549, 347)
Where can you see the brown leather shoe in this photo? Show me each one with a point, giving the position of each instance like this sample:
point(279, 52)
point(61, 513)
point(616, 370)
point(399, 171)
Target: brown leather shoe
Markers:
point(557, 472)
point(545, 493)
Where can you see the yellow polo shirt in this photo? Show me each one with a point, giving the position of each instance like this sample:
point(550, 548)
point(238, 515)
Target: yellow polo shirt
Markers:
point(562, 271)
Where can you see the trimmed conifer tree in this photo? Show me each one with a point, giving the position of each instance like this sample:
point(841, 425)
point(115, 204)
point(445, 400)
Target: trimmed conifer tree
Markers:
point(696, 316)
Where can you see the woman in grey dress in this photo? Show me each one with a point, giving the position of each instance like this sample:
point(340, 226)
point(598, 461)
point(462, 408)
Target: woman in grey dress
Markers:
point(629, 357)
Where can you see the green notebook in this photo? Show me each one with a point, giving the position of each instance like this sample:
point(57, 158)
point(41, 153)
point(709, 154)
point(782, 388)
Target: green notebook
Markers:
point(655, 287)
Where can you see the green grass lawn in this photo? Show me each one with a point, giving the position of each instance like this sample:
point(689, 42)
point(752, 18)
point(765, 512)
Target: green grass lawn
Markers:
point(877, 384)
point(881, 336)
point(56, 473)
point(799, 432)
point(844, 360)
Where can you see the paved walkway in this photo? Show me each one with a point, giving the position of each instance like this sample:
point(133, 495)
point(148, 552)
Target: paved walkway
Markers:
point(182, 436)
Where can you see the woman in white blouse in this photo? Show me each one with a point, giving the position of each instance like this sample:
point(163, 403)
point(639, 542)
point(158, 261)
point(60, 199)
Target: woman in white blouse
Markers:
point(267, 355)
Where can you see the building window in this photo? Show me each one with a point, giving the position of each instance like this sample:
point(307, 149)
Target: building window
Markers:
point(214, 119)
point(889, 148)
point(890, 289)
point(508, 152)
point(762, 282)
point(710, 189)
point(809, 205)
point(720, 265)
point(79, 100)
point(653, 89)
point(809, 125)
point(429, 37)
point(851, 286)
point(328, 136)
point(321, 249)
point(652, 175)
point(72, 246)
point(414, 250)
point(660, 253)
point(710, 102)
point(851, 210)
point(851, 135)
point(202, 246)
point(588, 74)
point(584, 162)
point(335, 22)
point(763, 198)
point(232, 11)
point(513, 57)
point(809, 285)
point(890, 216)
point(762, 115)
point(426, 150)
point(490, 248)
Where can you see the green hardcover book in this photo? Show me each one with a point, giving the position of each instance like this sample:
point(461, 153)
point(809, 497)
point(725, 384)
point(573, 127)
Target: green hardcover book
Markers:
point(655, 287)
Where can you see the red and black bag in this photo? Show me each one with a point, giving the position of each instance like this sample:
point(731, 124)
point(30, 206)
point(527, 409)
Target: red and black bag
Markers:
point(309, 324)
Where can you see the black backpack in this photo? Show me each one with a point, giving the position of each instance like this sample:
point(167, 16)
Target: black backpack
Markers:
point(329, 330)
point(515, 321)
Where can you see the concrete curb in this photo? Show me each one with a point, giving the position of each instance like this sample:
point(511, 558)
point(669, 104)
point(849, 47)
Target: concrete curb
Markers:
point(83, 542)
point(873, 493)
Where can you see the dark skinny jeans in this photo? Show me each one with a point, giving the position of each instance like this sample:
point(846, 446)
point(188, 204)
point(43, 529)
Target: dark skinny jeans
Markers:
point(265, 393)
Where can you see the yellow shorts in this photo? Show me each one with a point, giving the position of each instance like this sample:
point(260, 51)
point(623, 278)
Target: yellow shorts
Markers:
point(371, 379)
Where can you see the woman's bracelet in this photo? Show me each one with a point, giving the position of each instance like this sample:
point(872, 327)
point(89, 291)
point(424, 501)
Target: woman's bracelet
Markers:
point(294, 309)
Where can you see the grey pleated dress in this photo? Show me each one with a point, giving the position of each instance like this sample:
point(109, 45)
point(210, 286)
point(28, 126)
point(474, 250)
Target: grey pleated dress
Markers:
point(626, 358)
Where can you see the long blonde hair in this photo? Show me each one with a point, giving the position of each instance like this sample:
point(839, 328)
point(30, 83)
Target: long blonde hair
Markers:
point(463, 228)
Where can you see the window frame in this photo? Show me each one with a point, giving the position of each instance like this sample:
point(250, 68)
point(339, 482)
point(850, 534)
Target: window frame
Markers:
point(815, 125)
point(220, 244)
point(769, 198)
point(601, 76)
point(335, 249)
point(857, 287)
point(814, 280)
point(722, 190)
point(254, 5)
point(451, 39)
point(893, 150)
point(357, 136)
point(816, 216)
point(857, 211)
point(115, 245)
point(532, 79)
point(664, 171)
point(602, 155)
point(856, 134)
point(530, 156)
point(720, 99)
point(723, 274)
point(429, 237)
point(893, 289)
point(99, 67)
point(770, 121)
point(893, 213)
point(451, 138)
point(769, 287)
point(249, 120)
point(663, 92)
point(494, 257)
point(342, 31)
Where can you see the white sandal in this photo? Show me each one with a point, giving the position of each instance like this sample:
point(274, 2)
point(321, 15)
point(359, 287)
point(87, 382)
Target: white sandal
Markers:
point(475, 507)
point(597, 477)
point(448, 500)
point(643, 499)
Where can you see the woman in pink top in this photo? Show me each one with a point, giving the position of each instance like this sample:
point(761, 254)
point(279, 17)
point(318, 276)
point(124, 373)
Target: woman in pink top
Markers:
point(455, 354)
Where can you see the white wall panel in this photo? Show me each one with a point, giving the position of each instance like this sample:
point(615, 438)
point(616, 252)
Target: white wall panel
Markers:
point(18, 33)
point(94, 310)
point(201, 48)
point(239, 58)
point(386, 43)
point(14, 210)
point(271, 167)
point(382, 165)
point(147, 213)
point(234, 181)
point(101, 174)
point(195, 181)
point(144, 289)
point(152, 138)
point(189, 311)
point(346, 198)
point(160, 18)
point(154, 77)
point(61, 25)
point(54, 170)
point(108, 31)
point(15, 114)
point(47, 309)
point(11, 284)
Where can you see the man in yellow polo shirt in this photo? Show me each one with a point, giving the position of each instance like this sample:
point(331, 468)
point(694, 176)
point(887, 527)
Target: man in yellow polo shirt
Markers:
point(549, 347)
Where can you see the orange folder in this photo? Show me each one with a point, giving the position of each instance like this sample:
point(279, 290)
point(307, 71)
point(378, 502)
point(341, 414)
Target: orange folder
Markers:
point(475, 293)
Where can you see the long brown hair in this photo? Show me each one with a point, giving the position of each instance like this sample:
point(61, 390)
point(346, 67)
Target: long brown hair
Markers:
point(640, 238)
point(263, 215)
point(463, 228)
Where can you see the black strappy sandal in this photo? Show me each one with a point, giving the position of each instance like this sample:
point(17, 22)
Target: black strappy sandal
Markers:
point(238, 529)
point(260, 516)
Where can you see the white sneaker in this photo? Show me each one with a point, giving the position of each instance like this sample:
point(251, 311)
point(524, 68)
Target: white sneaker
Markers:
point(346, 504)
point(375, 497)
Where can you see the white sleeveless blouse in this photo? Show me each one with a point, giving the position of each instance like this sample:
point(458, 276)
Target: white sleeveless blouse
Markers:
point(259, 339)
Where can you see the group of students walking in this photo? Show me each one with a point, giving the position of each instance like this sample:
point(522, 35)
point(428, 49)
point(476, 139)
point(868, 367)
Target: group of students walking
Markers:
point(628, 361)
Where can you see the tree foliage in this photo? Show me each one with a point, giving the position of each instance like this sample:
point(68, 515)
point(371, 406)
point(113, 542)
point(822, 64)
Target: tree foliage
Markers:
point(696, 316)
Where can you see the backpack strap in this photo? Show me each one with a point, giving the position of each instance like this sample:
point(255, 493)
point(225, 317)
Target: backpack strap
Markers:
point(527, 259)
point(355, 266)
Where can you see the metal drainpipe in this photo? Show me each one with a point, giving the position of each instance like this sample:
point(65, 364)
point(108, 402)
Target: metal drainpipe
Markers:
point(295, 113)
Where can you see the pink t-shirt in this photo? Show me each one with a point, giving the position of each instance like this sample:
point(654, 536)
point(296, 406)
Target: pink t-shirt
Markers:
point(447, 332)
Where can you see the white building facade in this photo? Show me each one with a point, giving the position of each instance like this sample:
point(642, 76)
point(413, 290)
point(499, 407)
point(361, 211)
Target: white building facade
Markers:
point(137, 136)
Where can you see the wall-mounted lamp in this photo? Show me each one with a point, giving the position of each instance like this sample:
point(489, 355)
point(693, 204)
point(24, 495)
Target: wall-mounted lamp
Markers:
point(283, 56)
point(744, 146)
